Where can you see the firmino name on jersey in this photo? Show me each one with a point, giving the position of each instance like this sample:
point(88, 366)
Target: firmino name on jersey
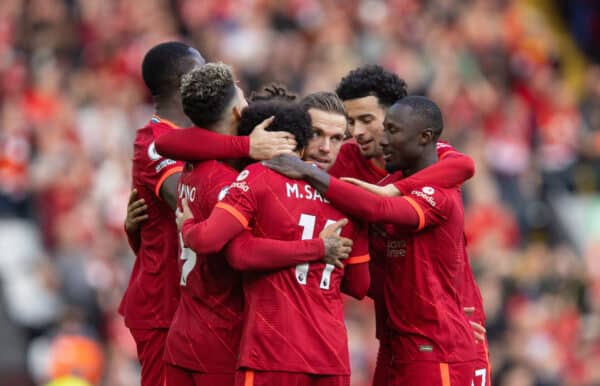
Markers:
point(187, 192)
point(308, 193)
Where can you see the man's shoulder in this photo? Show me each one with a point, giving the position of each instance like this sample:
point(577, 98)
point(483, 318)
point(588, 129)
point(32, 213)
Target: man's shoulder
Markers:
point(435, 196)
point(350, 148)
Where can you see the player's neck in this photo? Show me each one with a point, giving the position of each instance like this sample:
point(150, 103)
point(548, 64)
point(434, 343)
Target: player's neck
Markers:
point(172, 111)
point(428, 159)
point(378, 161)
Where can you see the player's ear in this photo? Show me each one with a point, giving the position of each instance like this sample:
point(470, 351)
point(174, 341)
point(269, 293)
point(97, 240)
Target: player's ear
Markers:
point(426, 137)
point(237, 112)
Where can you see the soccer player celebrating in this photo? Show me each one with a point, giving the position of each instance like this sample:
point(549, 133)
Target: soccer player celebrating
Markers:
point(152, 294)
point(367, 92)
point(430, 337)
point(293, 330)
point(203, 341)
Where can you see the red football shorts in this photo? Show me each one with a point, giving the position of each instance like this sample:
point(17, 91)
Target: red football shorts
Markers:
point(269, 378)
point(384, 358)
point(150, 348)
point(483, 368)
point(431, 374)
point(178, 376)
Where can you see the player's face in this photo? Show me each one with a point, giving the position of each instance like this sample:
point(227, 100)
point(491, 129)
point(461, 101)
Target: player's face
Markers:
point(401, 142)
point(327, 136)
point(365, 122)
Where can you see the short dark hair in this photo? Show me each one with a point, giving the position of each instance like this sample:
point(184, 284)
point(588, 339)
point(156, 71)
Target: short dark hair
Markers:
point(274, 90)
point(289, 116)
point(207, 92)
point(163, 66)
point(372, 80)
point(427, 110)
point(324, 101)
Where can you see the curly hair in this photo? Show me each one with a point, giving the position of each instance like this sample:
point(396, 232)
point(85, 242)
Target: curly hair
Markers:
point(207, 92)
point(372, 80)
point(271, 91)
point(289, 116)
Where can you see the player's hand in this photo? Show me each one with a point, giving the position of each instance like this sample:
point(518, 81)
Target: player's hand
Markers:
point(387, 191)
point(478, 330)
point(182, 216)
point(136, 212)
point(288, 165)
point(267, 144)
point(337, 247)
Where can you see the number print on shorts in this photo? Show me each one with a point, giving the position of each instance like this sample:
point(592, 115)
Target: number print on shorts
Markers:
point(480, 373)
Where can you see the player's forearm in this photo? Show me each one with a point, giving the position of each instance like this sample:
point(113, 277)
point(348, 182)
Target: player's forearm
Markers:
point(356, 280)
point(194, 144)
point(370, 207)
point(451, 171)
point(318, 178)
point(211, 235)
point(249, 253)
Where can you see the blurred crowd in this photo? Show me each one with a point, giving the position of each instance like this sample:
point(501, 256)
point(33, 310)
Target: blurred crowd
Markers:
point(71, 98)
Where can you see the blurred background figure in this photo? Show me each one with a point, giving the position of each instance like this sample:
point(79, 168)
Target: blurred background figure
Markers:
point(519, 83)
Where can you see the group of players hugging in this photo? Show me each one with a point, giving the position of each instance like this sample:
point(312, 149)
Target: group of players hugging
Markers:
point(250, 218)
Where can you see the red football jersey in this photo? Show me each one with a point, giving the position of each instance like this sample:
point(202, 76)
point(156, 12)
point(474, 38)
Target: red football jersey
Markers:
point(293, 318)
point(153, 293)
point(424, 281)
point(206, 329)
point(351, 163)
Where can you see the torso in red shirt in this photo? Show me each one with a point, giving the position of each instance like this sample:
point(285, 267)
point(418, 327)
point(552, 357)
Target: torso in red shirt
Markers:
point(293, 318)
point(351, 163)
point(153, 292)
point(206, 329)
point(425, 279)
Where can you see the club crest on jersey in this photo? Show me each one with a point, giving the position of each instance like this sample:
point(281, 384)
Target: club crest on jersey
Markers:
point(152, 153)
point(243, 175)
point(428, 190)
point(223, 193)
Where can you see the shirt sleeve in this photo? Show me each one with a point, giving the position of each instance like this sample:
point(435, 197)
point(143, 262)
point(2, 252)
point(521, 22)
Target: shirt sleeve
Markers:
point(249, 253)
point(370, 207)
point(452, 170)
point(211, 235)
point(360, 246)
point(159, 168)
point(241, 201)
point(356, 271)
point(195, 144)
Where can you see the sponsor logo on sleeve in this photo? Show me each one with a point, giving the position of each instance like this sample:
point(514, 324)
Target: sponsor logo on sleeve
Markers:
point(164, 163)
point(428, 190)
point(425, 196)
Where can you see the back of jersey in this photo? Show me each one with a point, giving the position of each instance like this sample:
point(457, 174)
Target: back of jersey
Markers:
point(206, 328)
point(293, 317)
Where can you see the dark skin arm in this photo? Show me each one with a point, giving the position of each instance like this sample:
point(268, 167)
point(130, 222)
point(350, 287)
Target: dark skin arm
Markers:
point(168, 190)
point(294, 167)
